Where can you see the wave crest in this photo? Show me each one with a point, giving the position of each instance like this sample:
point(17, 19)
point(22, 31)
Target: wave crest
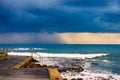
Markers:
point(65, 55)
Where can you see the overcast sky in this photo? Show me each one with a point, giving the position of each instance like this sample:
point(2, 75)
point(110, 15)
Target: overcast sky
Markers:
point(43, 21)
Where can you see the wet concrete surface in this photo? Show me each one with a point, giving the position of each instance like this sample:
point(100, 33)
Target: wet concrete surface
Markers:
point(12, 60)
point(24, 74)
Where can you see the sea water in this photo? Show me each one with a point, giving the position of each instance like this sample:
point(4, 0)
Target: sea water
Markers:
point(104, 57)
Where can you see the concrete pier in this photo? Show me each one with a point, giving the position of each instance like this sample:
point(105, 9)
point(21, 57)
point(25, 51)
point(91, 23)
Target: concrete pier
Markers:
point(7, 71)
point(3, 54)
point(12, 60)
point(54, 74)
point(3, 57)
point(13, 68)
point(23, 63)
point(24, 74)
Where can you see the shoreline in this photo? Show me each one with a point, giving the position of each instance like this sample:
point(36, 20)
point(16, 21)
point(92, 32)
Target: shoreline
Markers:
point(74, 72)
point(79, 75)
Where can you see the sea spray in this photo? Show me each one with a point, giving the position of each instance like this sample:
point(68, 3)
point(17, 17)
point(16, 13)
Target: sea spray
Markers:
point(88, 75)
point(68, 60)
point(106, 64)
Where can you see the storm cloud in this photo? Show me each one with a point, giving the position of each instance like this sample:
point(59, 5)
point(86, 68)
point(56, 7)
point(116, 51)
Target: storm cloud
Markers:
point(45, 21)
point(59, 16)
point(29, 38)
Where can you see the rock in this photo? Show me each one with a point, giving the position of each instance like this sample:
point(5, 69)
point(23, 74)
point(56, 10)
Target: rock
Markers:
point(79, 79)
point(33, 60)
point(34, 66)
point(31, 49)
point(94, 64)
point(56, 66)
point(73, 79)
point(62, 70)
point(44, 66)
point(76, 69)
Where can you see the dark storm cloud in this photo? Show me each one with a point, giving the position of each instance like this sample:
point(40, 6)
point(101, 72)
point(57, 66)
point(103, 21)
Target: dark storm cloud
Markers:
point(59, 16)
point(88, 3)
point(60, 21)
point(111, 17)
point(29, 38)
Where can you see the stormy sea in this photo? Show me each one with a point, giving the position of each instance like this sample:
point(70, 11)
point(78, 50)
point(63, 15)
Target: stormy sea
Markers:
point(99, 61)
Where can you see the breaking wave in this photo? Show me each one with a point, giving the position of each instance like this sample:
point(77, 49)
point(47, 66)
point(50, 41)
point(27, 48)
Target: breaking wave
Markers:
point(25, 49)
point(65, 60)
point(65, 55)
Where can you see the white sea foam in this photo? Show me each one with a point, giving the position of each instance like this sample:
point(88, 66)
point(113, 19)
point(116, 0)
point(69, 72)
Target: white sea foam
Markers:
point(88, 75)
point(106, 61)
point(21, 48)
point(82, 56)
point(19, 53)
point(58, 55)
point(27, 49)
point(39, 48)
point(62, 60)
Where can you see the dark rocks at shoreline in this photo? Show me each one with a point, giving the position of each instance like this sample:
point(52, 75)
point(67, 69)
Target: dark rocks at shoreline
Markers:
point(79, 79)
point(31, 48)
point(32, 65)
point(33, 60)
point(74, 79)
point(1, 53)
point(78, 63)
point(94, 64)
point(108, 78)
point(76, 69)
point(95, 78)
